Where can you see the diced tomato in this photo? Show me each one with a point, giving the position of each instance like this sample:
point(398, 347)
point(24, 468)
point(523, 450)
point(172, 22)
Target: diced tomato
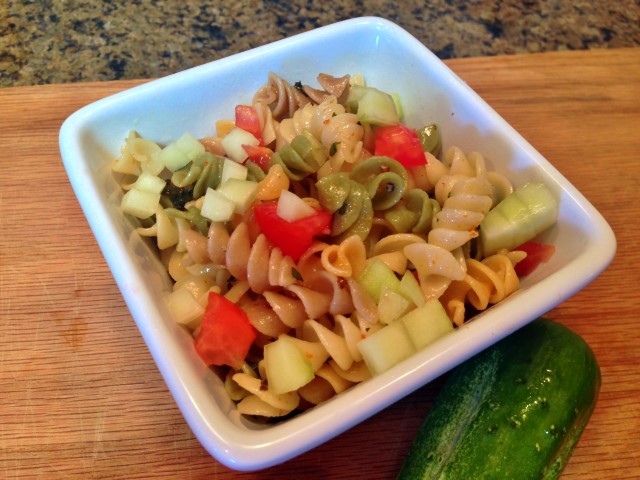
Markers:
point(400, 143)
point(248, 120)
point(537, 253)
point(261, 156)
point(225, 334)
point(292, 238)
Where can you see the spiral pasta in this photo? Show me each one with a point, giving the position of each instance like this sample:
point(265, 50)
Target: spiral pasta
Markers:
point(355, 213)
point(351, 204)
point(138, 155)
point(384, 178)
point(465, 194)
point(461, 212)
point(414, 213)
point(303, 156)
point(344, 365)
point(329, 122)
point(346, 259)
point(262, 266)
point(485, 283)
point(338, 87)
point(436, 267)
point(267, 122)
point(282, 98)
point(263, 402)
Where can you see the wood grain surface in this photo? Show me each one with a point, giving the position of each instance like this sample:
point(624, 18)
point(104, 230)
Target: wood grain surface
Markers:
point(80, 396)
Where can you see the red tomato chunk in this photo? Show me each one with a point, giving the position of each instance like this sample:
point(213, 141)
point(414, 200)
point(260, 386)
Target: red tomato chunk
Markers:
point(292, 238)
point(537, 253)
point(225, 333)
point(400, 143)
point(247, 119)
point(261, 156)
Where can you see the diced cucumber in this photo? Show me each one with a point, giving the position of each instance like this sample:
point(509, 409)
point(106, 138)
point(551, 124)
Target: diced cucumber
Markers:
point(405, 336)
point(140, 203)
point(427, 323)
point(240, 192)
point(216, 206)
point(410, 289)
point(190, 146)
point(375, 276)
point(232, 143)
point(520, 217)
point(373, 106)
point(386, 347)
point(398, 103)
point(150, 183)
point(231, 169)
point(313, 351)
point(179, 153)
point(391, 305)
point(355, 94)
point(173, 158)
point(291, 207)
point(286, 367)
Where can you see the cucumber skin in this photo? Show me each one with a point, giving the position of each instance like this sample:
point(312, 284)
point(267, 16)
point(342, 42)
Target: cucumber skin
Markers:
point(495, 413)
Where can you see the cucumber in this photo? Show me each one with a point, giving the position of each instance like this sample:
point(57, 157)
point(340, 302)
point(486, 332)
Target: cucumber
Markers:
point(180, 152)
point(391, 306)
point(387, 347)
point(405, 336)
point(140, 203)
point(428, 323)
point(232, 143)
point(286, 366)
point(240, 192)
point(375, 276)
point(373, 106)
point(292, 208)
point(526, 212)
point(514, 411)
point(217, 207)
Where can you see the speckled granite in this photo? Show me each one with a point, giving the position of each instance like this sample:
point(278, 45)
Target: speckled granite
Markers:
point(83, 40)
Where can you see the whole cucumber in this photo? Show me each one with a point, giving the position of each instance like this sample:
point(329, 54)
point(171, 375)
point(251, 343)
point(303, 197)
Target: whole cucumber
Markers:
point(514, 411)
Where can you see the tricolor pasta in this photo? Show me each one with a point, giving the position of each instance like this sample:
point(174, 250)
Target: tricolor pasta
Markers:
point(295, 233)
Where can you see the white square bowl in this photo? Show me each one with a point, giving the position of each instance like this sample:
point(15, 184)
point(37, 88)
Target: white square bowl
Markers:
point(191, 101)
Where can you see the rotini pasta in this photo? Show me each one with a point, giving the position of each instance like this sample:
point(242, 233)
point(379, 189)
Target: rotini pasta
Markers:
point(436, 267)
point(385, 179)
point(346, 259)
point(351, 204)
point(281, 241)
point(485, 283)
point(301, 157)
point(329, 122)
point(282, 98)
point(263, 402)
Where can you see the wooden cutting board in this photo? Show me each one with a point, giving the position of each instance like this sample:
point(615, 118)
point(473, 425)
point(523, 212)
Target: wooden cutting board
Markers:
point(80, 396)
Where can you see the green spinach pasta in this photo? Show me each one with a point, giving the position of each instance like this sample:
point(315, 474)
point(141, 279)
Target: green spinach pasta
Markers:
point(312, 223)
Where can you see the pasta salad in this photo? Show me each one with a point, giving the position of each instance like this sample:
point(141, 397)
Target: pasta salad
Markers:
point(316, 240)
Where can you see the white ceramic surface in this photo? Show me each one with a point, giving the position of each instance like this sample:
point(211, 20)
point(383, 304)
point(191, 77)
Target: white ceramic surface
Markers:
point(191, 101)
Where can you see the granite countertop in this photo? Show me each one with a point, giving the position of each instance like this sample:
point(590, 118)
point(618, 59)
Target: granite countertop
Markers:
point(91, 40)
